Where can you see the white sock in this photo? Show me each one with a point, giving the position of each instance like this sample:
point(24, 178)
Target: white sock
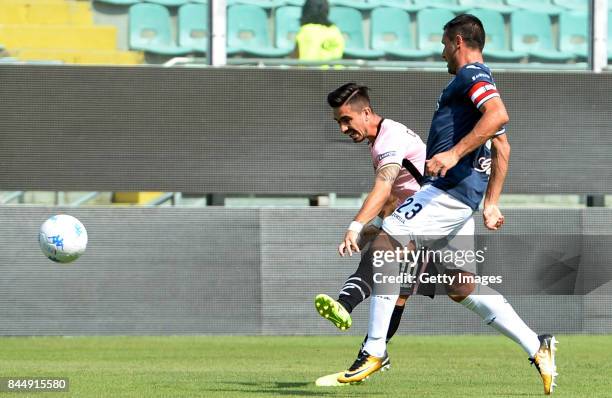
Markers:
point(381, 310)
point(498, 313)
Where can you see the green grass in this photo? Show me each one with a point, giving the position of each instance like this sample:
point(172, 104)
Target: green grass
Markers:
point(431, 366)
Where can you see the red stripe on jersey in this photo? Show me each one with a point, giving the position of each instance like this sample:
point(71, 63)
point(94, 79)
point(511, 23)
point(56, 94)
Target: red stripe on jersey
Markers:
point(485, 94)
point(475, 87)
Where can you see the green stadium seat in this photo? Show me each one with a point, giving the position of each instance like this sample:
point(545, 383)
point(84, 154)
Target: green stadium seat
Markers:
point(542, 6)
point(350, 23)
point(119, 2)
point(574, 33)
point(392, 33)
point(532, 33)
point(496, 5)
point(609, 34)
point(495, 43)
point(193, 26)
point(430, 24)
point(169, 3)
point(287, 25)
point(451, 5)
point(574, 5)
point(247, 32)
point(265, 4)
point(150, 30)
point(358, 4)
point(298, 3)
point(406, 5)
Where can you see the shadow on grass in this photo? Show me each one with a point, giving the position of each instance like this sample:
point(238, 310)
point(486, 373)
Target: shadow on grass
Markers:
point(282, 388)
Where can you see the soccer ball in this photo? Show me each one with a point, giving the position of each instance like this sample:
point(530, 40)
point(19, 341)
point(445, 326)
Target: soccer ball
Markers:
point(62, 238)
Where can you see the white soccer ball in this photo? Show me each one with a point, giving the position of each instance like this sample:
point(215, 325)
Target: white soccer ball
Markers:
point(62, 238)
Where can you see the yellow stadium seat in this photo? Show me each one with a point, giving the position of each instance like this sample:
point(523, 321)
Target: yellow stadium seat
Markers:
point(135, 197)
point(81, 13)
point(48, 13)
point(34, 54)
point(60, 30)
point(59, 37)
point(13, 13)
point(31, 1)
point(109, 58)
point(83, 57)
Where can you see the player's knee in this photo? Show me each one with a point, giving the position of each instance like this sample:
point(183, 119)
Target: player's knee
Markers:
point(459, 291)
point(457, 298)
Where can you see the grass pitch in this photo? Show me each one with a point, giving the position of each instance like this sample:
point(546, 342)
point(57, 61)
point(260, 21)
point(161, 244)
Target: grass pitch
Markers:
point(432, 366)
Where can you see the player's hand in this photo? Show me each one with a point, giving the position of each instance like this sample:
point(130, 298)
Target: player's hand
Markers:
point(368, 233)
point(441, 163)
point(493, 218)
point(349, 243)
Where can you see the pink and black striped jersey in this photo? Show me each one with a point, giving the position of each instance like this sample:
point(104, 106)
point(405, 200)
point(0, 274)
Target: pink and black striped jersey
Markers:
point(395, 142)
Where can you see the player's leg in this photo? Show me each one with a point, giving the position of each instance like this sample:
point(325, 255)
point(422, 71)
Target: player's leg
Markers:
point(331, 380)
point(412, 218)
point(356, 289)
point(382, 306)
point(496, 312)
point(396, 318)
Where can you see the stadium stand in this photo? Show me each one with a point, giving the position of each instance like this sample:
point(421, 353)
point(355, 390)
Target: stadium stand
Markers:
point(430, 22)
point(357, 4)
point(574, 33)
point(265, 30)
point(138, 198)
point(496, 47)
point(574, 5)
point(532, 33)
point(287, 25)
point(392, 33)
point(193, 27)
point(59, 31)
point(450, 5)
point(543, 6)
point(406, 5)
point(609, 36)
point(266, 4)
point(350, 22)
point(119, 2)
point(150, 30)
point(496, 5)
point(247, 32)
point(169, 3)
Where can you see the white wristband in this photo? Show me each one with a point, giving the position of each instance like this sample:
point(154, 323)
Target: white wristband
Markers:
point(377, 222)
point(355, 226)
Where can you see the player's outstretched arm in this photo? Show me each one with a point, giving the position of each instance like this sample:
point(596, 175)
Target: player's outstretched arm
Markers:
point(372, 206)
point(494, 117)
point(500, 156)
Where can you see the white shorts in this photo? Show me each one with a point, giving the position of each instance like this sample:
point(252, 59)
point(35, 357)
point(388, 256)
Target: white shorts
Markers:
point(433, 219)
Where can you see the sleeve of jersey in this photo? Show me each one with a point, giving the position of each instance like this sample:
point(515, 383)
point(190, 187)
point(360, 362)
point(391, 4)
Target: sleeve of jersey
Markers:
point(392, 150)
point(482, 91)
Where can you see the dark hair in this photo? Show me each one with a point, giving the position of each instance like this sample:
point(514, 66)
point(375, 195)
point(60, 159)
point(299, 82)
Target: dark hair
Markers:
point(469, 27)
point(315, 11)
point(350, 93)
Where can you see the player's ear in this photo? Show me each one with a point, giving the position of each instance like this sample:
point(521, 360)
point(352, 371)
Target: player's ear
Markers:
point(459, 40)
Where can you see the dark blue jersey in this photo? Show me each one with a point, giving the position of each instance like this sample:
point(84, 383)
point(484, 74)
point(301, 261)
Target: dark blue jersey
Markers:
point(456, 115)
